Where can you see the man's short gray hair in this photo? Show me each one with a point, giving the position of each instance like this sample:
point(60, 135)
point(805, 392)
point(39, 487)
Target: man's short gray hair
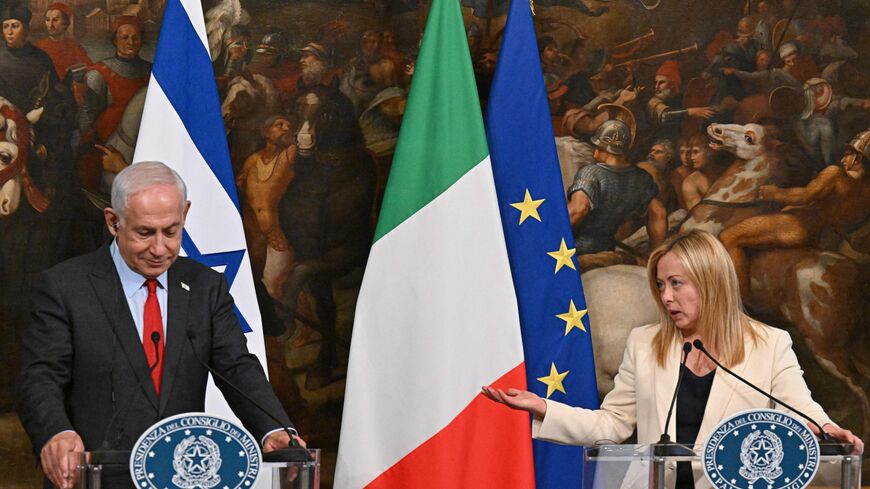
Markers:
point(668, 145)
point(139, 176)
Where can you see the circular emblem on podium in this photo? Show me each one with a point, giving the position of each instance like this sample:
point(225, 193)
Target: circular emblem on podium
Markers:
point(195, 451)
point(761, 449)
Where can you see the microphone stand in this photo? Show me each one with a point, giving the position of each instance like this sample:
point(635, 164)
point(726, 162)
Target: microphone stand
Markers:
point(827, 446)
point(106, 455)
point(294, 452)
point(665, 447)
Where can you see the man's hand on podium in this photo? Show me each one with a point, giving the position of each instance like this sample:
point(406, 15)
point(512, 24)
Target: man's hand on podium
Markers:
point(279, 440)
point(59, 460)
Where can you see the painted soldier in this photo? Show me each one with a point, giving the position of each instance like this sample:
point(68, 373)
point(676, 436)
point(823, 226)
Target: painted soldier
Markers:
point(665, 108)
point(357, 83)
point(271, 61)
point(740, 55)
point(801, 67)
point(113, 81)
point(610, 191)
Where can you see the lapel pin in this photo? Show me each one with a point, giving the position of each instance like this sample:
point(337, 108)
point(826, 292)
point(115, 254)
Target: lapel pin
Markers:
point(185, 286)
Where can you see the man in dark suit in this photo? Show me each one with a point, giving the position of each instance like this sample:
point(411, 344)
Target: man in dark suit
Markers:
point(100, 322)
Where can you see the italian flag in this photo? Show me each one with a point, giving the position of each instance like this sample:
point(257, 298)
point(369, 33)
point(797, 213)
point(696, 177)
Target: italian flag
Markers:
point(437, 314)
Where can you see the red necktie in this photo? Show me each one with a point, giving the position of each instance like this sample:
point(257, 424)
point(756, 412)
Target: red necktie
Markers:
point(153, 323)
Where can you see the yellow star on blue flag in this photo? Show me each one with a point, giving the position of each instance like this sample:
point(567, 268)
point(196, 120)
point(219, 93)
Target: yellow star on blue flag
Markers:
point(564, 256)
point(573, 318)
point(528, 207)
point(554, 380)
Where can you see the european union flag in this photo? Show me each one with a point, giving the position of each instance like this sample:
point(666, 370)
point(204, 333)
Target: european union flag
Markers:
point(555, 327)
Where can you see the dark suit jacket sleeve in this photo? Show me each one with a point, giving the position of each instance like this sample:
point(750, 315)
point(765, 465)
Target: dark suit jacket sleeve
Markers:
point(230, 357)
point(47, 355)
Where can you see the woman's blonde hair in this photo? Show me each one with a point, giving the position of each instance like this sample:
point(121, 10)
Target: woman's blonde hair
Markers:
point(721, 323)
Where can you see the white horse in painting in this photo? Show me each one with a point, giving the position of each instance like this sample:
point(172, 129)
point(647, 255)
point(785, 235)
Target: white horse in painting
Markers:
point(15, 142)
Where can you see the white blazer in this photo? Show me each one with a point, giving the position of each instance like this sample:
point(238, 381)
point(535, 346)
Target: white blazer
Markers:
point(642, 393)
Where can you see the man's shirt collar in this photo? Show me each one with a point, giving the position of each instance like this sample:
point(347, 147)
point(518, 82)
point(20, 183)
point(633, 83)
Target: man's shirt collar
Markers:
point(131, 280)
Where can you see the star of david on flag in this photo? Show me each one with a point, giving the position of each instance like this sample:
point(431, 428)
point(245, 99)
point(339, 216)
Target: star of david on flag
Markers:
point(182, 127)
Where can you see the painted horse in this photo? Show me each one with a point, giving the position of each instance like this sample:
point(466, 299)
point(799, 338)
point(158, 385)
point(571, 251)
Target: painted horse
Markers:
point(817, 292)
point(16, 135)
point(250, 99)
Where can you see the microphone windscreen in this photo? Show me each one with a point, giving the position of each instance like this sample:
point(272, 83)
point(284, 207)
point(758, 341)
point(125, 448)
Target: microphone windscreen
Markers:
point(687, 347)
point(698, 345)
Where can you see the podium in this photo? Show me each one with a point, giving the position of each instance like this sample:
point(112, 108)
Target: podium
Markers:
point(647, 467)
point(111, 470)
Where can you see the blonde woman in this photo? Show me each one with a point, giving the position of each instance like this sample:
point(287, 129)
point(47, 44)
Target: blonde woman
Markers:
point(695, 286)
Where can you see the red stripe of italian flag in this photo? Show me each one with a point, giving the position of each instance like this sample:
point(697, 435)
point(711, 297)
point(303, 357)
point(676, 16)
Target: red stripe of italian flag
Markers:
point(437, 315)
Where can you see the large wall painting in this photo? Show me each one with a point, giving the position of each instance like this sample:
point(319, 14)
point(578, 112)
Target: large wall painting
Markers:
point(747, 114)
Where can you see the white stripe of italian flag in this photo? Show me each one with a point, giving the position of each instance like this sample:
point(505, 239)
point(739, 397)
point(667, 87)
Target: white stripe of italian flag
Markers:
point(437, 314)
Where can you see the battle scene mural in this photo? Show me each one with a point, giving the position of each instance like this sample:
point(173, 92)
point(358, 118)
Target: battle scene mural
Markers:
point(747, 118)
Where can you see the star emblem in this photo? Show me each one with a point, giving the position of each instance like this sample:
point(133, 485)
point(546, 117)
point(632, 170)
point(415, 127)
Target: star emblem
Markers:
point(231, 261)
point(563, 256)
point(554, 380)
point(761, 452)
point(528, 207)
point(573, 318)
point(197, 460)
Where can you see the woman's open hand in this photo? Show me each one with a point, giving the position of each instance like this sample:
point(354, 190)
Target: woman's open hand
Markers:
point(517, 399)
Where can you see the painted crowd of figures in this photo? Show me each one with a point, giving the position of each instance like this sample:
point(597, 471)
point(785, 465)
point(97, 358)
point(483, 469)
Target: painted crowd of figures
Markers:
point(759, 136)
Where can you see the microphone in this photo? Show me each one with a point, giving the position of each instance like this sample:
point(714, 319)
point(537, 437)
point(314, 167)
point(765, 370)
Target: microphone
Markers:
point(294, 452)
point(665, 446)
point(155, 338)
point(106, 445)
point(830, 447)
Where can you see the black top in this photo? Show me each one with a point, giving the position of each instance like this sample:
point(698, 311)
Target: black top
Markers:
point(691, 402)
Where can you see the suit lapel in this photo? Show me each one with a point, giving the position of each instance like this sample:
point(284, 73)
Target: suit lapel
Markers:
point(176, 334)
point(107, 285)
point(666, 382)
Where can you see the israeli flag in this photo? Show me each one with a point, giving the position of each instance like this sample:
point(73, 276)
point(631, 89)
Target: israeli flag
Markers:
point(182, 127)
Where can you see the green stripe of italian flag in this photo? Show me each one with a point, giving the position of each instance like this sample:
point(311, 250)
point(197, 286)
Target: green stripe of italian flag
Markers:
point(437, 315)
